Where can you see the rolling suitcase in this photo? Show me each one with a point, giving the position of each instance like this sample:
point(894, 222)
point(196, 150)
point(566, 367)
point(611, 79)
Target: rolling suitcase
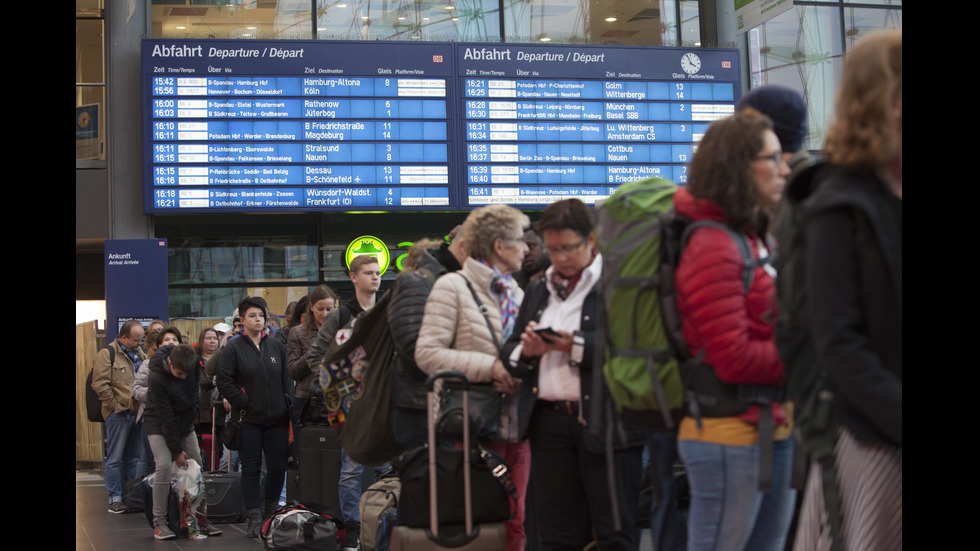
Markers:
point(224, 496)
point(224, 490)
point(316, 482)
point(444, 536)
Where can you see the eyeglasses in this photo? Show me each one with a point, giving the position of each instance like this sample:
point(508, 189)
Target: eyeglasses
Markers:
point(564, 249)
point(776, 158)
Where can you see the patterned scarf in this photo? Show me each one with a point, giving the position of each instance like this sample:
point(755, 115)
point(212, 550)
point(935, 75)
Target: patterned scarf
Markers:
point(564, 286)
point(502, 289)
point(134, 358)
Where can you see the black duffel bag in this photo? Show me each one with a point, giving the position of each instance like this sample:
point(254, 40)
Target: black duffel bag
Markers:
point(491, 503)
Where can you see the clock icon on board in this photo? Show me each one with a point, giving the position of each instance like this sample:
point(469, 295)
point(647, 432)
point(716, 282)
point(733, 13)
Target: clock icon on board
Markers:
point(691, 63)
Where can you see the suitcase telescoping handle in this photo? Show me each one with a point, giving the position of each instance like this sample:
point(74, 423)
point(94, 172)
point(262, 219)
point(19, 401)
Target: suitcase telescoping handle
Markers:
point(467, 489)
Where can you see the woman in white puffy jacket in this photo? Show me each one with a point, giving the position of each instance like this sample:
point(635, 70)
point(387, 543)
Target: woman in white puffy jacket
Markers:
point(456, 335)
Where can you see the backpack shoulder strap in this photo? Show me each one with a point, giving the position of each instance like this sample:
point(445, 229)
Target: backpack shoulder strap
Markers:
point(742, 243)
point(112, 361)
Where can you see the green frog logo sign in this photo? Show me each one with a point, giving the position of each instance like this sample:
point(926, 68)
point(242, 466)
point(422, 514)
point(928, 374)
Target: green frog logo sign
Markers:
point(370, 245)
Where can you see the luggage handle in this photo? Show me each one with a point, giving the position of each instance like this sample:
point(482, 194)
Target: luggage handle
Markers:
point(430, 383)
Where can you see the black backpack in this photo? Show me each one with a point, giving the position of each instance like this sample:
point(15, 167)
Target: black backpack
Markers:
point(93, 404)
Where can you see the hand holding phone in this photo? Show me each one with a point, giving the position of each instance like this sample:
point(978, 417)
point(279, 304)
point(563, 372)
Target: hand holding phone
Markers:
point(546, 333)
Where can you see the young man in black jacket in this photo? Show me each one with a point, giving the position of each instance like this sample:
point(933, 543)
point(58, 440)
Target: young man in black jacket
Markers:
point(172, 397)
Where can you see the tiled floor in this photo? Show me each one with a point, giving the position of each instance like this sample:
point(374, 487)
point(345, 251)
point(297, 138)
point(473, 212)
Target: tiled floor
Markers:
point(98, 530)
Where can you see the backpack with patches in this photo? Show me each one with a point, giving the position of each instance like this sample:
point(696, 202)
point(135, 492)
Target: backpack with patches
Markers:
point(356, 381)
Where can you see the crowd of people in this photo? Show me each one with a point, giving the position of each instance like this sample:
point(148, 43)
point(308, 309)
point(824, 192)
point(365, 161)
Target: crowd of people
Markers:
point(514, 307)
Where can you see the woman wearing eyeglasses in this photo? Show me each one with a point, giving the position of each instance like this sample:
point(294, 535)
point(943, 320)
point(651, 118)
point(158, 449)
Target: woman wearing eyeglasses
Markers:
point(571, 493)
point(736, 176)
point(468, 315)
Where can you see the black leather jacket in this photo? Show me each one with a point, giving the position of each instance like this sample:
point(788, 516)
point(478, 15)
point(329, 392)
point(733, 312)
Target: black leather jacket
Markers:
point(408, 297)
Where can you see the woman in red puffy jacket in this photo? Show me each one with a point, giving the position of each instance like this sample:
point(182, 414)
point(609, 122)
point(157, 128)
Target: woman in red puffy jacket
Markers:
point(728, 318)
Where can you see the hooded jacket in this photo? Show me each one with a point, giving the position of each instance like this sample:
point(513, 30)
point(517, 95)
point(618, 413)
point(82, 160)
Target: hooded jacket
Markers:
point(256, 379)
point(408, 297)
point(171, 403)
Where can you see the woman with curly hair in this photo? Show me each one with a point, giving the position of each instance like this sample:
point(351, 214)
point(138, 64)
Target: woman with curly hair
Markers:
point(853, 205)
point(456, 331)
point(737, 174)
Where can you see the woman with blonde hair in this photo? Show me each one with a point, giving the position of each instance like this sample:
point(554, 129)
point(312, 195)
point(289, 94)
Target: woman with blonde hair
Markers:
point(469, 315)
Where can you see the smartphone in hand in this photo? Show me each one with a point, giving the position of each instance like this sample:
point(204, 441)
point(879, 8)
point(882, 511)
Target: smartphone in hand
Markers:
point(546, 333)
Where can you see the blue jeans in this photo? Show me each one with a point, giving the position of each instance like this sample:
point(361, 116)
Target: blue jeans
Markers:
point(728, 512)
point(123, 450)
point(256, 440)
point(350, 486)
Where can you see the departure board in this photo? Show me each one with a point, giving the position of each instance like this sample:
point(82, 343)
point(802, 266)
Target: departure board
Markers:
point(276, 126)
point(544, 123)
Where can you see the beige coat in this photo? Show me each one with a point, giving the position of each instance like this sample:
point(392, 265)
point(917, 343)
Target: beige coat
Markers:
point(114, 382)
point(454, 335)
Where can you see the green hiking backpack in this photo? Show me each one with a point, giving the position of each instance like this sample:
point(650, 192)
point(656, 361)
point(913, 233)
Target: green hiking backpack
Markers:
point(647, 363)
point(639, 238)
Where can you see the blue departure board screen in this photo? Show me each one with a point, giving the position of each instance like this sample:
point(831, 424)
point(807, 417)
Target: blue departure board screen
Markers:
point(277, 126)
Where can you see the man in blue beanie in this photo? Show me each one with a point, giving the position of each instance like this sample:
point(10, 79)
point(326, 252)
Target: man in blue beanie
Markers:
point(788, 110)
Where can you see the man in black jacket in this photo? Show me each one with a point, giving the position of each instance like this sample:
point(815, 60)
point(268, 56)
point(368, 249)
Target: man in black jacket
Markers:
point(425, 264)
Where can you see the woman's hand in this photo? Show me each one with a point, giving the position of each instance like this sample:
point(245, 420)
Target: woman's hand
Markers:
point(502, 380)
